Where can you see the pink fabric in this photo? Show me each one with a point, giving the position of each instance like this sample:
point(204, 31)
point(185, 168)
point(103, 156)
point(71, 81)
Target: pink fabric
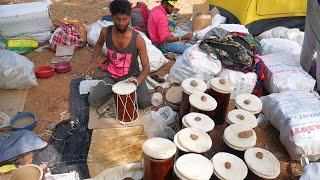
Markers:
point(158, 25)
point(118, 64)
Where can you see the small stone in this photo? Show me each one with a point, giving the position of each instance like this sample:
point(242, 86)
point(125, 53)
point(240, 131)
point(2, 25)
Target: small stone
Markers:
point(240, 116)
point(203, 98)
point(227, 165)
point(245, 134)
point(194, 83)
point(222, 81)
point(194, 137)
point(247, 102)
point(259, 155)
point(197, 118)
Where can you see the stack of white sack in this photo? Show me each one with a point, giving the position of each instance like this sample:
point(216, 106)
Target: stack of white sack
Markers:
point(296, 114)
point(284, 73)
point(285, 33)
point(26, 19)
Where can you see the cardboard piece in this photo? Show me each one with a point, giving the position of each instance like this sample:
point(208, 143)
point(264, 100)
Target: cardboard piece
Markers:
point(64, 51)
point(200, 8)
point(12, 101)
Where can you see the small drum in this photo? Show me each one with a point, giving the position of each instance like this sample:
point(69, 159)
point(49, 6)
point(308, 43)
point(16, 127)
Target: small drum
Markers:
point(189, 86)
point(202, 103)
point(220, 91)
point(192, 166)
point(239, 138)
point(198, 121)
point(228, 166)
point(126, 102)
point(158, 158)
point(173, 97)
point(242, 117)
point(262, 164)
point(249, 102)
point(192, 140)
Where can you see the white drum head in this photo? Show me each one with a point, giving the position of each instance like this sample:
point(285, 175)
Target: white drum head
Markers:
point(239, 142)
point(194, 140)
point(193, 166)
point(177, 143)
point(124, 88)
point(159, 148)
point(239, 116)
point(249, 102)
point(203, 101)
point(228, 166)
point(198, 121)
point(221, 85)
point(193, 85)
point(264, 164)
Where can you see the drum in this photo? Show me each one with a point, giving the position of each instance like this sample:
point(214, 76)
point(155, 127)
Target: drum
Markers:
point(262, 164)
point(192, 166)
point(220, 91)
point(192, 140)
point(242, 117)
point(228, 166)
point(173, 97)
point(126, 102)
point(189, 86)
point(249, 102)
point(202, 103)
point(198, 121)
point(239, 138)
point(158, 158)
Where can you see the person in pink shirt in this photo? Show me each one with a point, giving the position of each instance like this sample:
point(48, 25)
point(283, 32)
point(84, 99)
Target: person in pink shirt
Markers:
point(158, 29)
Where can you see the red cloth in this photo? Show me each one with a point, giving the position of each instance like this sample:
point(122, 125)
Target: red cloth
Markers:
point(67, 35)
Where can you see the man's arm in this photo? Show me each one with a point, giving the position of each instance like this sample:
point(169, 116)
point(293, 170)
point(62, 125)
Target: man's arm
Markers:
point(142, 52)
point(97, 50)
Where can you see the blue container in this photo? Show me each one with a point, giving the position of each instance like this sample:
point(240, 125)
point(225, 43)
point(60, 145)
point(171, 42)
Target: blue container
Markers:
point(107, 18)
point(23, 120)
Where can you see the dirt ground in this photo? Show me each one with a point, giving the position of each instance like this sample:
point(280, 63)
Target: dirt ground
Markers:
point(50, 97)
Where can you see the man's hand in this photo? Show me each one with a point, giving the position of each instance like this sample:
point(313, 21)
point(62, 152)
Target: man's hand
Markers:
point(91, 69)
point(134, 80)
point(187, 37)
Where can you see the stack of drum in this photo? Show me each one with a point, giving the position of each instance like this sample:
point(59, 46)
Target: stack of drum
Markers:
point(201, 110)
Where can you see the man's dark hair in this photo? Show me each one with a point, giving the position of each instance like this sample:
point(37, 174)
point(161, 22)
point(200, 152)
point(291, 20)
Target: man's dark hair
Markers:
point(120, 7)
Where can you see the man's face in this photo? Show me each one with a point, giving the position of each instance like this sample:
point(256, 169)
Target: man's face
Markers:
point(169, 8)
point(121, 22)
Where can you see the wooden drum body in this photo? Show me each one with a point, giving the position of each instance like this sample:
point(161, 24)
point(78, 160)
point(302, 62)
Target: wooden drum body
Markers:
point(220, 91)
point(158, 159)
point(189, 86)
point(126, 102)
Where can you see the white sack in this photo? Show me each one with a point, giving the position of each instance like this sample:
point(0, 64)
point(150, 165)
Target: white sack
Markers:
point(311, 172)
point(16, 71)
point(296, 114)
point(282, 32)
point(234, 28)
point(278, 45)
point(244, 83)
point(26, 19)
point(194, 63)
point(156, 58)
point(284, 73)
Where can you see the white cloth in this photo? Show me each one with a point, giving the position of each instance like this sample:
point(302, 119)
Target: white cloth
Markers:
point(86, 85)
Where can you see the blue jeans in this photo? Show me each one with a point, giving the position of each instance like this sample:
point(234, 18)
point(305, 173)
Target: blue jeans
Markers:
point(176, 47)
